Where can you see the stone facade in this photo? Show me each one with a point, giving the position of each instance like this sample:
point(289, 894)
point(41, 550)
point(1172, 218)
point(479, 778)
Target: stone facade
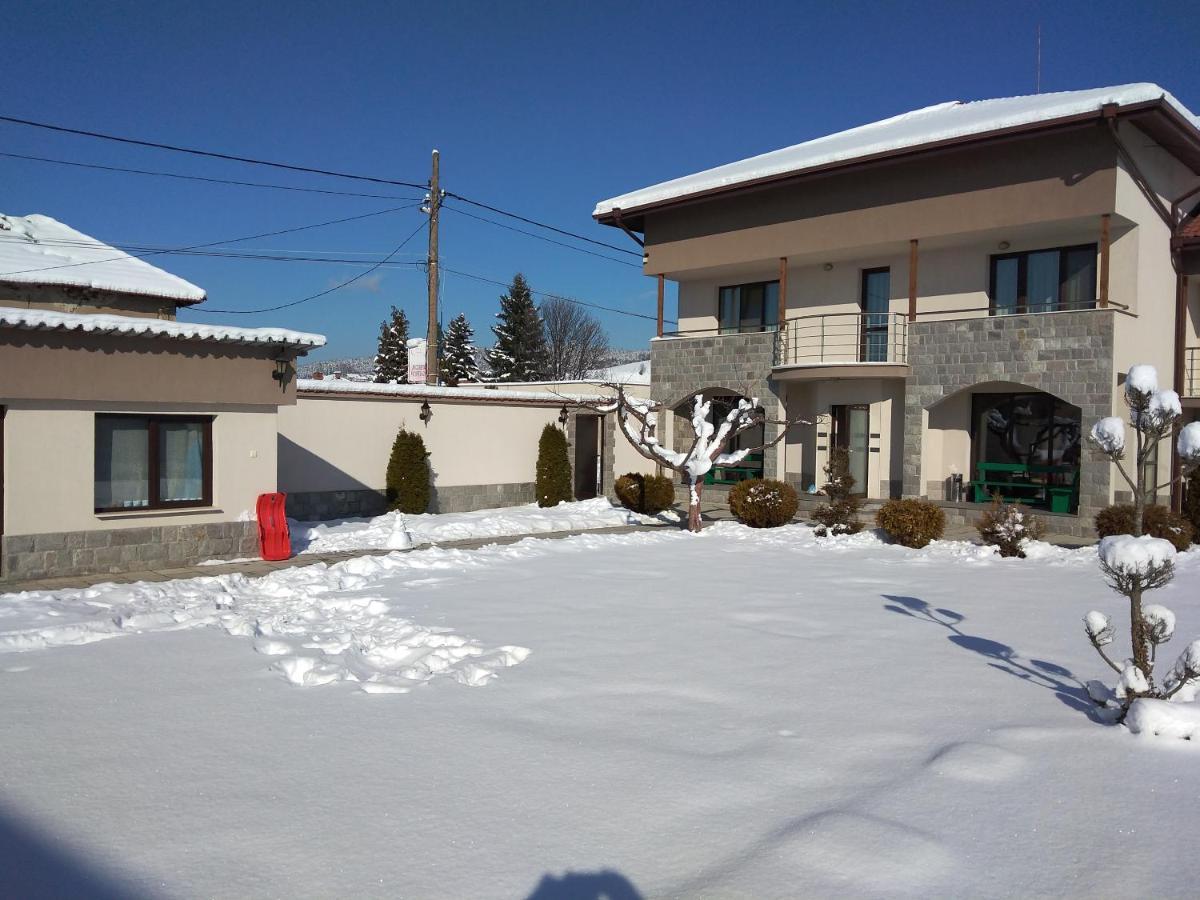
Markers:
point(322, 506)
point(1069, 355)
point(608, 436)
point(110, 551)
point(733, 363)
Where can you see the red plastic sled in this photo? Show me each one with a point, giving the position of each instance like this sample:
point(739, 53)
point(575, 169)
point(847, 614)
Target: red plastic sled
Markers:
point(274, 539)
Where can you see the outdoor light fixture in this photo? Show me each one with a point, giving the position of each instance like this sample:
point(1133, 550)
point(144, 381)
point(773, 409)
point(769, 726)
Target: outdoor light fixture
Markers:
point(828, 267)
point(563, 415)
point(426, 412)
point(283, 370)
point(1004, 245)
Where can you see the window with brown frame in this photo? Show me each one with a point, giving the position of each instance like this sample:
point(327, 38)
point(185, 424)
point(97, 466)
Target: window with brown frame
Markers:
point(745, 308)
point(1052, 280)
point(152, 462)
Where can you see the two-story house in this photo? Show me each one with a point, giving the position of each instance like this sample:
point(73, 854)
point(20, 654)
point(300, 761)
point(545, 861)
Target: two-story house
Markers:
point(956, 292)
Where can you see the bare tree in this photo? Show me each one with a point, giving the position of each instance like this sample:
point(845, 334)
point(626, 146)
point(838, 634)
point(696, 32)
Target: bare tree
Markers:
point(1134, 564)
point(638, 420)
point(575, 341)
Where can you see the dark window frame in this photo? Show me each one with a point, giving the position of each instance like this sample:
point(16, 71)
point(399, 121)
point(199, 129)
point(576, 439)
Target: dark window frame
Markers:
point(770, 311)
point(1022, 257)
point(153, 468)
point(865, 325)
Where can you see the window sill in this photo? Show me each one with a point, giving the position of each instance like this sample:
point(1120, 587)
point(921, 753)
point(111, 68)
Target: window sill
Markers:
point(120, 514)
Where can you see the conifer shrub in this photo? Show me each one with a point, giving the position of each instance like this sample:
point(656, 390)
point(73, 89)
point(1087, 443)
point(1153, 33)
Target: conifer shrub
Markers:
point(408, 474)
point(553, 481)
point(1157, 521)
point(911, 522)
point(840, 514)
point(1007, 526)
point(647, 494)
point(763, 502)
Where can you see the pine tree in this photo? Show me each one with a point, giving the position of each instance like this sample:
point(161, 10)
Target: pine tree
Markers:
point(520, 350)
point(458, 360)
point(391, 361)
point(553, 481)
point(407, 476)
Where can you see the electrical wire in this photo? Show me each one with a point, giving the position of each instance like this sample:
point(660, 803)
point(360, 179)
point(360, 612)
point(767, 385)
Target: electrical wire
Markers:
point(527, 221)
point(463, 212)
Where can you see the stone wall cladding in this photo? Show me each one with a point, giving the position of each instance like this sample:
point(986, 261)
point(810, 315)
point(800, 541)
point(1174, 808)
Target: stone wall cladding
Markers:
point(608, 438)
point(115, 550)
point(1066, 354)
point(323, 506)
point(737, 363)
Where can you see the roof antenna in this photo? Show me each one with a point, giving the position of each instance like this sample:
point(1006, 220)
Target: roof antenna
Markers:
point(1037, 83)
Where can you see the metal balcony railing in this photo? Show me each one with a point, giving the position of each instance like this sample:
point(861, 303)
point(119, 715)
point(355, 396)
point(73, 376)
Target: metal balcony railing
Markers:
point(843, 338)
point(1191, 372)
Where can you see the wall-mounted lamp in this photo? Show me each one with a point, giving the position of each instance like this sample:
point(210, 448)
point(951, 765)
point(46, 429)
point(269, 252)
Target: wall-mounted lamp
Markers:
point(284, 370)
point(1004, 245)
point(563, 415)
point(828, 267)
point(426, 412)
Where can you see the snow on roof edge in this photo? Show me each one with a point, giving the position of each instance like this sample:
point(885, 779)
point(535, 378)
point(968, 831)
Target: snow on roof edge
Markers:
point(910, 130)
point(438, 391)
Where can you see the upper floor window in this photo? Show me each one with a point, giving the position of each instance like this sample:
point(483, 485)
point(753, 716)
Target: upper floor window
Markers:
point(748, 307)
point(1044, 280)
point(152, 462)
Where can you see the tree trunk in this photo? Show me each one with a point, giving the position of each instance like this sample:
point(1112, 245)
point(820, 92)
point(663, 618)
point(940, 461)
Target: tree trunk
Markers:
point(693, 487)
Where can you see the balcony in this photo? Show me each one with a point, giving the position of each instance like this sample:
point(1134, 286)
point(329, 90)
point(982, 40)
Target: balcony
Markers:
point(842, 345)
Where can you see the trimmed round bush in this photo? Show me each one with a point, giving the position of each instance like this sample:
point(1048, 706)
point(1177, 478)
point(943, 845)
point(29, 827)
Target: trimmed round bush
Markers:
point(911, 522)
point(763, 502)
point(407, 478)
point(1157, 521)
point(647, 494)
point(553, 479)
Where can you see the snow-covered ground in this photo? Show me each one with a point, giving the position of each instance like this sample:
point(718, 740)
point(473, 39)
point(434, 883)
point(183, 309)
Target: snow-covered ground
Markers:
point(432, 528)
point(735, 714)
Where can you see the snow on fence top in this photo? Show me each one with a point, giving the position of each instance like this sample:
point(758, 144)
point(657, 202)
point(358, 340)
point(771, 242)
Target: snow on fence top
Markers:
point(139, 326)
point(442, 392)
point(41, 250)
point(944, 121)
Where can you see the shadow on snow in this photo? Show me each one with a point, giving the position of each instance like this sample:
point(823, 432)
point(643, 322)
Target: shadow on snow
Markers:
point(603, 885)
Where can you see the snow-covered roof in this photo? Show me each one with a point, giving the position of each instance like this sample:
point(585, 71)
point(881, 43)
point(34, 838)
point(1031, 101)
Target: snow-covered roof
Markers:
point(41, 250)
point(137, 326)
point(931, 125)
point(637, 372)
point(441, 392)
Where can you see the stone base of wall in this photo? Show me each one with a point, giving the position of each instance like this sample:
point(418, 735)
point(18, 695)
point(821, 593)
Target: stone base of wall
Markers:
point(466, 497)
point(1056, 523)
point(111, 551)
point(322, 506)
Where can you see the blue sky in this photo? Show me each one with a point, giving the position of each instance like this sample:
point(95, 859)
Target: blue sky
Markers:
point(541, 108)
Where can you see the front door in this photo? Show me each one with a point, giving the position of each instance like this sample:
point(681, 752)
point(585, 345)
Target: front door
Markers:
point(876, 301)
point(587, 457)
point(852, 430)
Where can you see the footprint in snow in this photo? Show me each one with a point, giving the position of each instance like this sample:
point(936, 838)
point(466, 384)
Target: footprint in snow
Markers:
point(971, 761)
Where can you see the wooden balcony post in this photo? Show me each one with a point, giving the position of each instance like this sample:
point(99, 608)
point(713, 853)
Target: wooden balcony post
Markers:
point(912, 280)
point(782, 314)
point(1104, 242)
point(661, 288)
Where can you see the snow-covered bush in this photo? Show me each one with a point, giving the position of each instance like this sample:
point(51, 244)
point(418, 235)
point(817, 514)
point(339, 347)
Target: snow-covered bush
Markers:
point(1136, 562)
point(649, 494)
point(911, 522)
point(763, 502)
point(407, 477)
point(1157, 521)
point(552, 482)
point(840, 514)
point(1008, 526)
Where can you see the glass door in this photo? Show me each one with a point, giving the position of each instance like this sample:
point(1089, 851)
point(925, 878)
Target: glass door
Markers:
point(852, 431)
point(876, 301)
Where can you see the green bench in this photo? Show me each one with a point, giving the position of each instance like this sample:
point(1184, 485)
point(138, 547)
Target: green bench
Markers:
point(750, 467)
point(1017, 482)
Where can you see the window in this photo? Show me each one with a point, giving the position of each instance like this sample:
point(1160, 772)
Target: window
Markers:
point(751, 466)
point(1028, 430)
point(152, 462)
point(1044, 280)
point(748, 307)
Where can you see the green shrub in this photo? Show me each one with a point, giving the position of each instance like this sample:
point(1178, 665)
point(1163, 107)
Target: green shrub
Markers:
point(840, 514)
point(1191, 503)
point(763, 502)
point(408, 474)
point(553, 481)
point(1008, 526)
point(648, 494)
point(911, 522)
point(1157, 521)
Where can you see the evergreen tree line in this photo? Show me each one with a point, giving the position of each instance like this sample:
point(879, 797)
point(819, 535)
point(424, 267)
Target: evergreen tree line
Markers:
point(556, 342)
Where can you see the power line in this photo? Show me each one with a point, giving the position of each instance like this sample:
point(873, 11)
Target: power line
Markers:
point(253, 184)
point(337, 287)
point(527, 221)
point(212, 154)
point(463, 212)
point(250, 237)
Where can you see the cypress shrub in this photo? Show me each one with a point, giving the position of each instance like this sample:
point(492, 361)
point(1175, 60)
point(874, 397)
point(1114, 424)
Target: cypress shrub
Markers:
point(763, 502)
point(408, 474)
point(840, 514)
point(911, 522)
point(1157, 521)
point(648, 494)
point(553, 482)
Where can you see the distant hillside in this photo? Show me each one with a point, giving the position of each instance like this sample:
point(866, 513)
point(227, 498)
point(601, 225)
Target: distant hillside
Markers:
point(365, 365)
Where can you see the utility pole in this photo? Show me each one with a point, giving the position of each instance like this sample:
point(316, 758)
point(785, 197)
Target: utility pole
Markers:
point(431, 347)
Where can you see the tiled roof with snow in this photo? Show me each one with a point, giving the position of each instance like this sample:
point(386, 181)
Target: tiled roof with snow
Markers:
point(40, 250)
point(438, 391)
point(911, 130)
point(137, 326)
